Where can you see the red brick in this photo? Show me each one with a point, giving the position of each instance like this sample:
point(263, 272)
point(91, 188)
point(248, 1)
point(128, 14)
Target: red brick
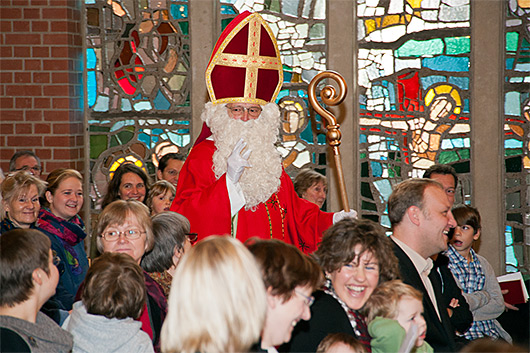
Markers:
point(41, 77)
point(6, 103)
point(23, 103)
point(61, 52)
point(21, 39)
point(11, 13)
point(60, 77)
point(55, 13)
point(60, 103)
point(6, 52)
point(39, 26)
point(24, 140)
point(42, 128)
point(12, 115)
point(6, 129)
point(39, 2)
point(30, 64)
point(57, 141)
point(61, 129)
point(41, 103)
point(59, 26)
point(64, 154)
point(44, 153)
point(31, 13)
point(6, 26)
point(55, 39)
point(55, 64)
point(11, 64)
point(33, 115)
point(23, 90)
point(6, 77)
point(40, 52)
point(22, 77)
point(56, 115)
point(21, 26)
point(20, 2)
point(23, 128)
point(22, 52)
point(57, 91)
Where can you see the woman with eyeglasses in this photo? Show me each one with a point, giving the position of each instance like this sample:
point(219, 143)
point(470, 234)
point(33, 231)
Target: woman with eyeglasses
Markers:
point(290, 278)
point(20, 201)
point(172, 240)
point(59, 220)
point(126, 227)
point(356, 256)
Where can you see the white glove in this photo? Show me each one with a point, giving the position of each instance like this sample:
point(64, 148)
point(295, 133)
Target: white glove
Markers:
point(236, 162)
point(338, 216)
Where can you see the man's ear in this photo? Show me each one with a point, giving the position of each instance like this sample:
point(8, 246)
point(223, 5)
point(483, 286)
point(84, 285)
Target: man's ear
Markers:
point(159, 174)
point(37, 276)
point(413, 213)
point(272, 300)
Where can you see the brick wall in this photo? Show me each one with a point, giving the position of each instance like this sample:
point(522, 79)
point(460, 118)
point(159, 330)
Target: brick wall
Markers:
point(41, 68)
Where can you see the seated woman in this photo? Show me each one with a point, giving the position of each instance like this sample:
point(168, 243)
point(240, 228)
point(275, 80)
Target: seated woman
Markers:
point(171, 242)
point(59, 221)
point(356, 257)
point(217, 301)
point(129, 182)
point(113, 297)
point(311, 186)
point(290, 277)
point(160, 197)
point(125, 226)
point(20, 201)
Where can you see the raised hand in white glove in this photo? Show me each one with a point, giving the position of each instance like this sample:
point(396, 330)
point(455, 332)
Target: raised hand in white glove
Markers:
point(236, 162)
point(338, 216)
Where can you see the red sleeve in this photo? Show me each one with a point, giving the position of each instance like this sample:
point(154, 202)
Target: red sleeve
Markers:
point(201, 197)
point(306, 222)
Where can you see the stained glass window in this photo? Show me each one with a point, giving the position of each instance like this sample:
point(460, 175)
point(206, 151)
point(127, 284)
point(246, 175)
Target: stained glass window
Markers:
point(138, 84)
point(300, 29)
point(516, 135)
point(413, 77)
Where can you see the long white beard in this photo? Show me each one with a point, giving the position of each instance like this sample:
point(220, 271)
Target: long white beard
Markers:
point(259, 182)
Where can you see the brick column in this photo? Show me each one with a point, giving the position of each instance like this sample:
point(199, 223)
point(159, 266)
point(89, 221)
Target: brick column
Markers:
point(41, 77)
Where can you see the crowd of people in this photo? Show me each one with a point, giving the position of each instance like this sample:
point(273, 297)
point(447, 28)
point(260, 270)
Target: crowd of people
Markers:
point(224, 253)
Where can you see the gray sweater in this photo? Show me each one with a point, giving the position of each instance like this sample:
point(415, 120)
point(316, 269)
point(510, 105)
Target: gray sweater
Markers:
point(96, 333)
point(42, 336)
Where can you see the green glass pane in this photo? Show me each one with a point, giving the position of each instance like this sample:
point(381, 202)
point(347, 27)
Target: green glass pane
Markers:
point(514, 217)
point(318, 30)
point(512, 152)
point(512, 38)
point(513, 165)
point(98, 144)
point(464, 153)
point(415, 48)
point(518, 236)
point(184, 27)
point(365, 191)
point(457, 45)
point(448, 157)
point(98, 128)
point(368, 206)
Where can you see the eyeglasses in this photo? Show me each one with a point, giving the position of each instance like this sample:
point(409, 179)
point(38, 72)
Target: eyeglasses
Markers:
point(238, 110)
point(56, 260)
point(114, 235)
point(308, 300)
point(27, 168)
point(192, 237)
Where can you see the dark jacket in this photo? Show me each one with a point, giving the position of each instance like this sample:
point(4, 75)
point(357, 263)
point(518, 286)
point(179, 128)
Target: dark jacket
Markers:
point(440, 334)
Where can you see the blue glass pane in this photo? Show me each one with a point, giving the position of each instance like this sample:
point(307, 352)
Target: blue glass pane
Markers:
point(513, 143)
point(161, 101)
point(91, 87)
point(179, 11)
point(509, 63)
point(384, 188)
point(126, 105)
point(415, 48)
point(428, 81)
point(512, 104)
point(447, 63)
point(460, 82)
point(377, 169)
point(91, 58)
point(227, 10)
point(142, 106)
point(102, 104)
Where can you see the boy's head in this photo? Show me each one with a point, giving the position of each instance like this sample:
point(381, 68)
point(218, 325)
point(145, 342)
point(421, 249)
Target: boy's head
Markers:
point(160, 196)
point(340, 343)
point(114, 287)
point(468, 228)
point(26, 267)
point(398, 301)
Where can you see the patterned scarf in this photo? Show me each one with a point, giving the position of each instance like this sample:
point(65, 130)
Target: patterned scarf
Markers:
point(356, 319)
point(70, 233)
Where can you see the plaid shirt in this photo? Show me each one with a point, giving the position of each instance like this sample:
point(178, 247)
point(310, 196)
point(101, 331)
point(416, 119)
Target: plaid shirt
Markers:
point(472, 279)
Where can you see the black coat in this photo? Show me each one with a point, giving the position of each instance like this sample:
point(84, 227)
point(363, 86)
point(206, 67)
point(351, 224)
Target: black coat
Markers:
point(440, 334)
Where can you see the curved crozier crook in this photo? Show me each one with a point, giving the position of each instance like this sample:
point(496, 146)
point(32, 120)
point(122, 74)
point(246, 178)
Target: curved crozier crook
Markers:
point(330, 97)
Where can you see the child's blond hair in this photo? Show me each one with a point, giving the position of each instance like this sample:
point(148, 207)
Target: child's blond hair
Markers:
point(384, 301)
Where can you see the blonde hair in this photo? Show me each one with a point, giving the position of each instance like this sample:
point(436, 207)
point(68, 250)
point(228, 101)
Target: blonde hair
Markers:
point(384, 300)
point(16, 184)
point(117, 212)
point(217, 301)
point(159, 188)
point(56, 177)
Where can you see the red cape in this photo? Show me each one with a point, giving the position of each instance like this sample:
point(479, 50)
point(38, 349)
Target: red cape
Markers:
point(203, 199)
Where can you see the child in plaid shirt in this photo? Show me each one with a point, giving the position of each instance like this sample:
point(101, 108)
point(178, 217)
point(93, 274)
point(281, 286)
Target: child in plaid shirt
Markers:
point(475, 277)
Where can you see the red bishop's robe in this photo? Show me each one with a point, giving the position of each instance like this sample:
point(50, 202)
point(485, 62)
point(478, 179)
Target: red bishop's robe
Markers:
point(204, 200)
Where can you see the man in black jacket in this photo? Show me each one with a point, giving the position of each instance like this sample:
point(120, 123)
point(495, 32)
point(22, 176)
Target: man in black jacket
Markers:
point(420, 214)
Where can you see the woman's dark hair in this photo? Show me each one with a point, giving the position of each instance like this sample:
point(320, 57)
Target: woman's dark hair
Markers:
point(170, 231)
point(340, 240)
point(114, 184)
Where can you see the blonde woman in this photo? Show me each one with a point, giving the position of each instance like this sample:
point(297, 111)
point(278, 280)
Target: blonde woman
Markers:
point(217, 301)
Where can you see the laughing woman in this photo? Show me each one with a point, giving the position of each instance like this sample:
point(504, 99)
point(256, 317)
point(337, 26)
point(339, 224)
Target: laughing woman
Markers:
point(59, 220)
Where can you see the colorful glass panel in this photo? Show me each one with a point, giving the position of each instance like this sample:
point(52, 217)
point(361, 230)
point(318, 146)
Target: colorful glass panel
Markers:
point(413, 79)
point(138, 84)
point(300, 29)
point(516, 136)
